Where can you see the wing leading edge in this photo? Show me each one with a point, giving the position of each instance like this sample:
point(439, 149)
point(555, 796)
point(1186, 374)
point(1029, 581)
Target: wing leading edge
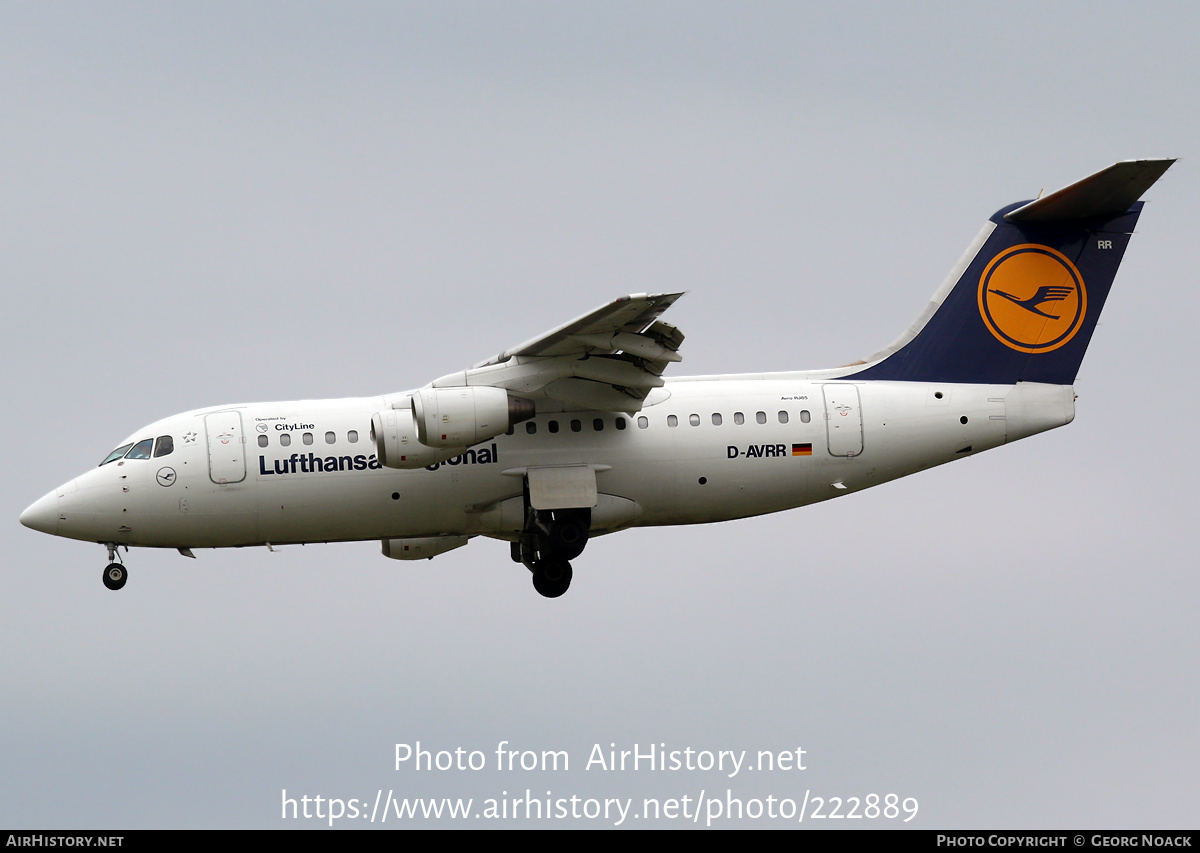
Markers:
point(607, 360)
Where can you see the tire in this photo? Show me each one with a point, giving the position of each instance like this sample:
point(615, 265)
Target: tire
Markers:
point(551, 578)
point(568, 536)
point(115, 576)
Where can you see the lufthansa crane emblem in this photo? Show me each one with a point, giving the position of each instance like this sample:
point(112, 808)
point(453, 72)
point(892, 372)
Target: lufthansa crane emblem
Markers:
point(1032, 298)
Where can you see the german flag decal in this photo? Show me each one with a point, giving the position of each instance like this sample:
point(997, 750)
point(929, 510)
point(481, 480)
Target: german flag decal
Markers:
point(802, 450)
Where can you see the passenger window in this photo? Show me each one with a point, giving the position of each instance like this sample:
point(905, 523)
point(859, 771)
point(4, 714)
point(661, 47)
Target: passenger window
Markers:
point(330, 437)
point(352, 436)
point(716, 419)
point(694, 420)
point(576, 425)
point(739, 418)
point(119, 453)
point(308, 439)
point(552, 426)
point(805, 417)
point(531, 427)
point(285, 439)
point(598, 424)
point(761, 417)
point(165, 445)
point(643, 422)
point(783, 417)
point(262, 441)
point(672, 421)
point(620, 423)
point(141, 450)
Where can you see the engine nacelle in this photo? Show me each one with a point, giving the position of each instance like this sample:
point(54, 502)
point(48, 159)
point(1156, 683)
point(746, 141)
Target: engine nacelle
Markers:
point(396, 443)
point(460, 417)
point(421, 548)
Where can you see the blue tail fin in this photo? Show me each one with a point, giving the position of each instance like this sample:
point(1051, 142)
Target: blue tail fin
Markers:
point(1022, 303)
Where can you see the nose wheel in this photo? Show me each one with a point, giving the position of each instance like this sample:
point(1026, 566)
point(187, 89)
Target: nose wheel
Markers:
point(115, 576)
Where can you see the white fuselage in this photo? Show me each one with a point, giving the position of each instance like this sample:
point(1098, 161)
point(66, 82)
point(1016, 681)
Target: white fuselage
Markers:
point(782, 441)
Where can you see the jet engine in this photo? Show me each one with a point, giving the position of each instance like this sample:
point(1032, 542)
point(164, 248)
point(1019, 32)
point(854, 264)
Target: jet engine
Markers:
point(421, 548)
point(460, 417)
point(396, 444)
point(443, 423)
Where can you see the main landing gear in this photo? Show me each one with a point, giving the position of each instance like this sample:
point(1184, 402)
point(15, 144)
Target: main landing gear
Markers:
point(552, 539)
point(115, 573)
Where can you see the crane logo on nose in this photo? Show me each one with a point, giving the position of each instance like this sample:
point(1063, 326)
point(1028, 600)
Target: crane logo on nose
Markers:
point(165, 476)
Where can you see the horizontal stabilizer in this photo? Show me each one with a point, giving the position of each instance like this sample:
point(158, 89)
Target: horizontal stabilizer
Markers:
point(1109, 191)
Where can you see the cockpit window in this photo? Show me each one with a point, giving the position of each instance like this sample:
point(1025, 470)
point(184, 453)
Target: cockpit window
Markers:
point(165, 445)
point(117, 454)
point(141, 450)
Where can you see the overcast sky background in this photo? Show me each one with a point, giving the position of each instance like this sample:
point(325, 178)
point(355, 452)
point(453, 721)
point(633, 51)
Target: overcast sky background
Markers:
point(218, 203)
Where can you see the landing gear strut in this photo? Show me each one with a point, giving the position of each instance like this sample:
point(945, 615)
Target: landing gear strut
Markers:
point(115, 574)
point(552, 539)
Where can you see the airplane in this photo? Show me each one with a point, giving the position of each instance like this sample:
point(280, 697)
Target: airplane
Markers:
point(577, 433)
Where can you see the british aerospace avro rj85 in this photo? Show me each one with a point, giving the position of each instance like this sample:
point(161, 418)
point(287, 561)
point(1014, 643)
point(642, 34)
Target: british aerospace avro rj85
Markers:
point(577, 433)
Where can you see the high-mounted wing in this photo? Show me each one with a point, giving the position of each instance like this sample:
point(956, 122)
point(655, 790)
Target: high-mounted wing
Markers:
point(607, 360)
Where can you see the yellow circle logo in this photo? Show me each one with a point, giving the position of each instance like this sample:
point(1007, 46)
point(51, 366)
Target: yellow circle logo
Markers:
point(1032, 298)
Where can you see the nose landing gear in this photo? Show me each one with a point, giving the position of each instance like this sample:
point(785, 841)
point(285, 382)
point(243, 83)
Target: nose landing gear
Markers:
point(115, 576)
point(115, 573)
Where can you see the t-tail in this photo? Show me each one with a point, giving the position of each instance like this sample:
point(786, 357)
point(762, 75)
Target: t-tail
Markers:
point(1022, 303)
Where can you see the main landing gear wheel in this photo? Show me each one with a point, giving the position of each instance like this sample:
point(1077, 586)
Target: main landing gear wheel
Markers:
point(115, 576)
point(568, 535)
point(552, 578)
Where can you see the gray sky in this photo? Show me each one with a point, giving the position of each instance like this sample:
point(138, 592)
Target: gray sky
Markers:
point(223, 203)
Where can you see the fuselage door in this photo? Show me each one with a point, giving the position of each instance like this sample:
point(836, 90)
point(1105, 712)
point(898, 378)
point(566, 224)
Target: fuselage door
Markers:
point(226, 447)
point(843, 420)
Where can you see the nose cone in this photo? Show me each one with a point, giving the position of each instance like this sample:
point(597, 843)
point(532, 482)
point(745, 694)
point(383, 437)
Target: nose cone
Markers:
point(43, 515)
